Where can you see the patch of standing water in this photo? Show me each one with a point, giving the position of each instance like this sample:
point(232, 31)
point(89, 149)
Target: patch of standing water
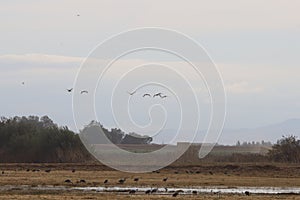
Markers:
point(142, 190)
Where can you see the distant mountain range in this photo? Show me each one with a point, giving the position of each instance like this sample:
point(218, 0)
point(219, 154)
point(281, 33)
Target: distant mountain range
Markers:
point(270, 133)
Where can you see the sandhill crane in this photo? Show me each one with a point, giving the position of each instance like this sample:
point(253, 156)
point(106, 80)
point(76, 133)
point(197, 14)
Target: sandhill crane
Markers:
point(68, 181)
point(145, 95)
point(154, 190)
point(132, 191)
point(177, 193)
point(131, 93)
point(84, 91)
point(121, 181)
point(157, 94)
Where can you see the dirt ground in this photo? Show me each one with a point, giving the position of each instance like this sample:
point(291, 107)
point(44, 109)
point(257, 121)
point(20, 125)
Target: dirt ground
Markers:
point(225, 175)
point(84, 196)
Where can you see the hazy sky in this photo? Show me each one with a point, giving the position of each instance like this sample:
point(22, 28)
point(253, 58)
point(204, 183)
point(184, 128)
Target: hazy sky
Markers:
point(254, 43)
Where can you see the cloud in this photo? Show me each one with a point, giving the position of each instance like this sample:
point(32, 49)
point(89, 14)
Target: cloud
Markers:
point(243, 88)
point(38, 59)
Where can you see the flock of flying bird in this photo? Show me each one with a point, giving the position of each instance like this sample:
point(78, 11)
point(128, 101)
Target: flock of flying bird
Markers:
point(161, 95)
point(81, 92)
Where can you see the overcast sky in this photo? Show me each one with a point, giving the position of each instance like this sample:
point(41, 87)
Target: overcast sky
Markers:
point(254, 43)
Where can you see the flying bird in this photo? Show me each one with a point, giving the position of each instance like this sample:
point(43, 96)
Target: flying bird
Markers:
point(23, 83)
point(84, 91)
point(165, 96)
point(145, 95)
point(78, 15)
point(131, 93)
point(70, 90)
point(157, 94)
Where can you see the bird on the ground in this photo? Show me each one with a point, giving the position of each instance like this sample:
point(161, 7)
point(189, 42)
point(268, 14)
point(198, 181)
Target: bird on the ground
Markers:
point(82, 181)
point(27, 170)
point(106, 181)
point(131, 93)
point(73, 170)
point(194, 192)
point(68, 181)
point(165, 179)
point(132, 191)
point(157, 94)
point(148, 192)
point(176, 193)
point(84, 91)
point(211, 173)
point(70, 90)
point(48, 170)
point(145, 95)
point(136, 179)
point(121, 181)
point(247, 193)
point(154, 190)
point(2, 172)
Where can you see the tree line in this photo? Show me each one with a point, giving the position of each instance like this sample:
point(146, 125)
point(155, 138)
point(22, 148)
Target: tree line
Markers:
point(92, 134)
point(38, 139)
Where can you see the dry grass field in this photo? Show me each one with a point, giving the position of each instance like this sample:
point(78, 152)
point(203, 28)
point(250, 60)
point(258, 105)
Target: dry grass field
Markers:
point(224, 175)
point(80, 196)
